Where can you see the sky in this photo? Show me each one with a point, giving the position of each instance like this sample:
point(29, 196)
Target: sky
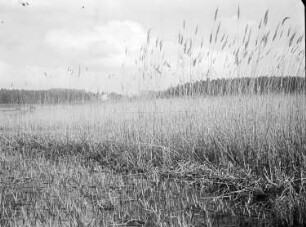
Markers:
point(93, 44)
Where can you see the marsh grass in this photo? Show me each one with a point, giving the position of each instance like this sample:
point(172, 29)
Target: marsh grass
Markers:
point(210, 163)
point(189, 160)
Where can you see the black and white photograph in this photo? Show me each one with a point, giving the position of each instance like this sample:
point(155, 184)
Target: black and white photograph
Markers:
point(152, 113)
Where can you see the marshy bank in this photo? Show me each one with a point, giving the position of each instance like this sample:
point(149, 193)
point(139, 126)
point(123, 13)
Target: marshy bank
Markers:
point(224, 163)
point(216, 135)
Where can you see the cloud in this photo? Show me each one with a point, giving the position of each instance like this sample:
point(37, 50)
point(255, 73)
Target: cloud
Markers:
point(4, 67)
point(50, 36)
point(101, 43)
point(111, 36)
point(10, 76)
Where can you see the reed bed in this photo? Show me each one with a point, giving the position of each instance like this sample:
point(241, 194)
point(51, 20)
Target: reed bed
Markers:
point(175, 163)
point(185, 160)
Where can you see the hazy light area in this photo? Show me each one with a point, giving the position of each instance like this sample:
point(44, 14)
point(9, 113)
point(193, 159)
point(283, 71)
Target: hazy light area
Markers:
point(93, 44)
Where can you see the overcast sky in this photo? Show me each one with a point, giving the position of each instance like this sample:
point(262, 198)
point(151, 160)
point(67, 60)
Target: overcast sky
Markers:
point(82, 43)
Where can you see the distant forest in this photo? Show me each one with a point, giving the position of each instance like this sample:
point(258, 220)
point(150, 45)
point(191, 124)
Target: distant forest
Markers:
point(260, 85)
point(236, 86)
point(52, 96)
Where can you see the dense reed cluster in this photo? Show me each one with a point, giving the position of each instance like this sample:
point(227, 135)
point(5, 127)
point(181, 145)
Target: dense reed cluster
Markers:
point(233, 157)
point(255, 51)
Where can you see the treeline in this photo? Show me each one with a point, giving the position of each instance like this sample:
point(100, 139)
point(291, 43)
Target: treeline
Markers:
point(259, 85)
point(52, 96)
point(236, 86)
